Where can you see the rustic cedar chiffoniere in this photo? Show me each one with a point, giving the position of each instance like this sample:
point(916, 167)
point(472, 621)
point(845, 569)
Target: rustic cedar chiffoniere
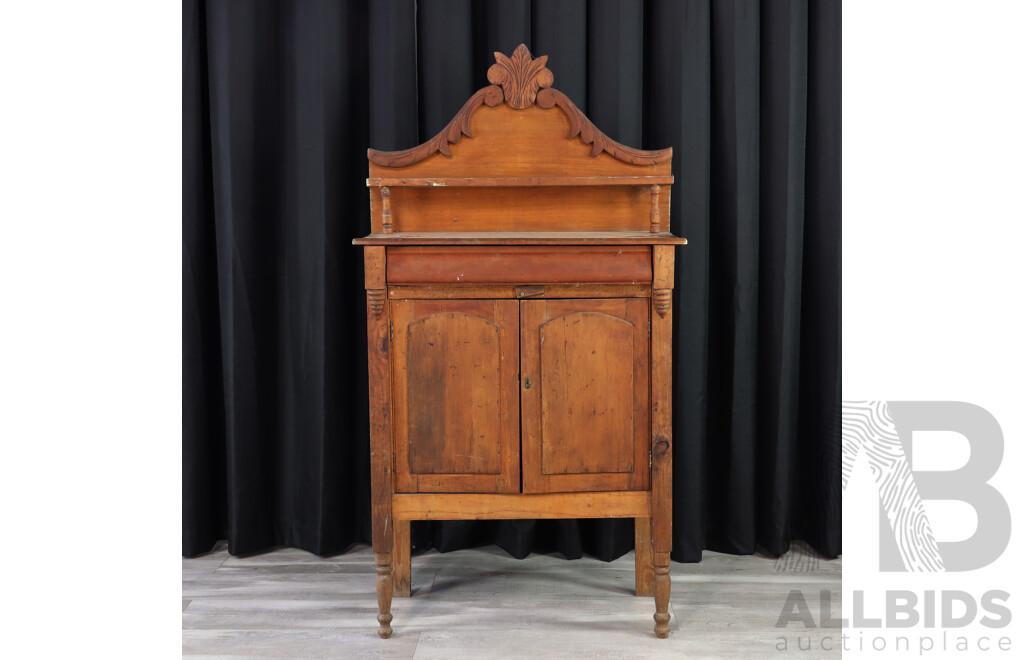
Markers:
point(519, 320)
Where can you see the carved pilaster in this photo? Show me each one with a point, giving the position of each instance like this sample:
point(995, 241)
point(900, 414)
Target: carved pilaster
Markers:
point(376, 298)
point(662, 301)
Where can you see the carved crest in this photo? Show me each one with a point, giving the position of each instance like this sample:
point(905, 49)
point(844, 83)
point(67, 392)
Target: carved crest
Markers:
point(519, 81)
point(520, 76)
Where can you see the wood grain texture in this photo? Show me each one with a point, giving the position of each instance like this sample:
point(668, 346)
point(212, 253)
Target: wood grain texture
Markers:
point(644, 557)
point(459, 506)
point(456, 402)
point(664, 266)
point(518, 143)
point(401, 555)
point(585, 420)
point(454, 394)
point(661, 444)
point(545, 208)
point(661, 418)
point(522, 238)
point(586, 397)
point(488, 291)
point(379, 380)
point(374, 267)
point(519, 265)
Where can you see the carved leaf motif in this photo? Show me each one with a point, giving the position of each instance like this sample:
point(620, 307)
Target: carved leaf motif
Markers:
point(520, 76)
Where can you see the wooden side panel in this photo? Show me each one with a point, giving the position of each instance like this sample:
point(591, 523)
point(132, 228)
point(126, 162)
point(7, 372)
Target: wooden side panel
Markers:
point(585, 409)
point(518, 265)
point(456, 402)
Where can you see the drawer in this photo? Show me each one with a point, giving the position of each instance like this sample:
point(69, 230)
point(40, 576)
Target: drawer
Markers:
point(480, 264)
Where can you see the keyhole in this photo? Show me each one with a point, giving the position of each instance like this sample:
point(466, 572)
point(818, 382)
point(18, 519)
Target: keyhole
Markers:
point(526, 383)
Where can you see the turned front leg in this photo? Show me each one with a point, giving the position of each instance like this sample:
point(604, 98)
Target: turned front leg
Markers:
point(661, 431)
point(381, 487)
point(385, 586)
point(662, 591)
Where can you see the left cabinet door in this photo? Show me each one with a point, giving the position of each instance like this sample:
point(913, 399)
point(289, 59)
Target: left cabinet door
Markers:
point(456, 395)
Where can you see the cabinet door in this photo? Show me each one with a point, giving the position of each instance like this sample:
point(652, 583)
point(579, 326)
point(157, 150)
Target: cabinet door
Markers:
point(585, 393)
point(456, 398)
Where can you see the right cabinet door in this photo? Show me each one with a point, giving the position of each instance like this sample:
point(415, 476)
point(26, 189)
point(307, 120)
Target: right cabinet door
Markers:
point(585, 384)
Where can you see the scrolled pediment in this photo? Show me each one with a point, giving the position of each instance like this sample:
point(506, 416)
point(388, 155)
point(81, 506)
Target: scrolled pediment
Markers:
point(520, 82)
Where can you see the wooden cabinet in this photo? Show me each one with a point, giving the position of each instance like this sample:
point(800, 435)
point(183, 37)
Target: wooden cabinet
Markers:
point(519, 282)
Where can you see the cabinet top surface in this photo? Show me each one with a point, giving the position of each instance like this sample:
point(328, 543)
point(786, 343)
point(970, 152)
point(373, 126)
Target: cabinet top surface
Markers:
point(523, 238)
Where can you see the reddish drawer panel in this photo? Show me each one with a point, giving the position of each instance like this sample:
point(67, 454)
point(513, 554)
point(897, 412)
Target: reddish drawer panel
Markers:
point(518, 265)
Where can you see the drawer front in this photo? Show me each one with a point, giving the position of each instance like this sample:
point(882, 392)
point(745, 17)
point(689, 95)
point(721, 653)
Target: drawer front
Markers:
point(519, 264)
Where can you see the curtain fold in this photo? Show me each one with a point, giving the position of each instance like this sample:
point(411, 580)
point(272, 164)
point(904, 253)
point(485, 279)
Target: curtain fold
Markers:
point(280, 102)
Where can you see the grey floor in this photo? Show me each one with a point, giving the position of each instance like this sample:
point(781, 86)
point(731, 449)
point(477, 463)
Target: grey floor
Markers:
point(481, 603)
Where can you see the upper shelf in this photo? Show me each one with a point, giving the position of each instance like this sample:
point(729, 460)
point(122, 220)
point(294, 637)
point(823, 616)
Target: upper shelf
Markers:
point(523, 238)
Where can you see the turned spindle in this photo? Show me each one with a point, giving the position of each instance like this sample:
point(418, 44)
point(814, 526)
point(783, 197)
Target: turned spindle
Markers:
point(385, 195)
point(662, 589)
point(655, 209)
point(385, 585)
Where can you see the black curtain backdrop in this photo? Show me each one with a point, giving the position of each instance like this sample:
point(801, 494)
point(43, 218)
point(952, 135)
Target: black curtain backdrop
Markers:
point(281, 100)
